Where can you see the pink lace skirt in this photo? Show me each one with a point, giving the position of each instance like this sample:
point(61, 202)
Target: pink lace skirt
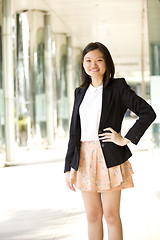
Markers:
point(93, 174)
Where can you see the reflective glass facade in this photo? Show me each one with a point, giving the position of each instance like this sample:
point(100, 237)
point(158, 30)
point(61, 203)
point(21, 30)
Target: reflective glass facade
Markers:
point(30, 80)
point(39, 85)
point(2, 136)
point(22, 81)
point(62, 98)
point(154, 47)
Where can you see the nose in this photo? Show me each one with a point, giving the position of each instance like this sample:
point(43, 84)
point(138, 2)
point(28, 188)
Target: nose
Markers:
point(93, 64)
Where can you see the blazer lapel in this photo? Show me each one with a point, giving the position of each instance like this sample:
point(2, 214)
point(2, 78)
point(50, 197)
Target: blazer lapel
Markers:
point(105, 105)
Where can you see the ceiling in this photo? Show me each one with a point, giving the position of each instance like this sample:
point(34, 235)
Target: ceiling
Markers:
point(116, 23)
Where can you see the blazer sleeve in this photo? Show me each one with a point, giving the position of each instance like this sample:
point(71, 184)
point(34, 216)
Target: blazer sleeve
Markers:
point(141, 108)
point(71, 142)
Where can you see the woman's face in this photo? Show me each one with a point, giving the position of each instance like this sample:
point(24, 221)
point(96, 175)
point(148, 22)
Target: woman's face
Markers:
point(94, 64)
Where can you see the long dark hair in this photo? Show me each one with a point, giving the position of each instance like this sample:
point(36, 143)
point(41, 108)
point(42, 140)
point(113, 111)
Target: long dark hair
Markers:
point(110, 69)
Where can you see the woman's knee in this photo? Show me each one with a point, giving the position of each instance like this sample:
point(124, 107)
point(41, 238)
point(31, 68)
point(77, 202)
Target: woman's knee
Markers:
point(94, 215)
point(111, 216)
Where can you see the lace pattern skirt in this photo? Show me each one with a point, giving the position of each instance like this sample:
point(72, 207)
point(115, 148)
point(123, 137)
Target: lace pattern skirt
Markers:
point(93, 174)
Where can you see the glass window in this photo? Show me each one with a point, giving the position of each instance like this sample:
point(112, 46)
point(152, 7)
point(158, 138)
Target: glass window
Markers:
point(2, 134)
point(39, 85)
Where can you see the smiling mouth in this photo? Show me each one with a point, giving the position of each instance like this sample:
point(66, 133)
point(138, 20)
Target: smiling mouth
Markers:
point(94, 70)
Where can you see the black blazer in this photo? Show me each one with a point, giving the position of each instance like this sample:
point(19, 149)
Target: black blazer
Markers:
point(117, 98)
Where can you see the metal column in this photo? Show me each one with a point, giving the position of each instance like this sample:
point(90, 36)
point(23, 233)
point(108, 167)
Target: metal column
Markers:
point(48, 79)
point(70, 87)
point(8, 80)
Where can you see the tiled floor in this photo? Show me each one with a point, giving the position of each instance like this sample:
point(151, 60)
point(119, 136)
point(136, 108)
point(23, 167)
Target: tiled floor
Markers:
point(36, 205)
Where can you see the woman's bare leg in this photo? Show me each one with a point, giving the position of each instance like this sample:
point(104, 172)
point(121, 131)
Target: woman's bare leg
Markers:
point(111, 211)
point(94, 211)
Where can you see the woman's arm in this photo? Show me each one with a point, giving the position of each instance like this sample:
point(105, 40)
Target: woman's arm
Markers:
point(141, 108)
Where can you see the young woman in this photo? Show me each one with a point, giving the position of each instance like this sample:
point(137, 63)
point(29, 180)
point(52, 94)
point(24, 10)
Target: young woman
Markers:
point(97, 158)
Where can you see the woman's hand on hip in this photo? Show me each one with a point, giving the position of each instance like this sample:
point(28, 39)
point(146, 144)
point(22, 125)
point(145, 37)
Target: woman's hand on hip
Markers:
point(68, 181)
point(112, 136)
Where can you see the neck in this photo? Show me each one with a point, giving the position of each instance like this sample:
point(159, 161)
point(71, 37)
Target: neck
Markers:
point(96, 83)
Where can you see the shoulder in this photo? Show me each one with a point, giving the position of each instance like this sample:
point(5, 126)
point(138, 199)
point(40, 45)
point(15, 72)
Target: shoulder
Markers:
point(76, 91)
point(79, 90)
point(118, 82)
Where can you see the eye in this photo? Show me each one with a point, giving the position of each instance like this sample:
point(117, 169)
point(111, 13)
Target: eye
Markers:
point(88, 60)
point(100, 60)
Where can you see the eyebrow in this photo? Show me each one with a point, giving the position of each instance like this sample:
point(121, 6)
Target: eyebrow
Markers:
point(97, 57)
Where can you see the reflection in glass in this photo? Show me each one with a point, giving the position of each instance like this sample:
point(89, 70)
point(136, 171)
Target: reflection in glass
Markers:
point(62, 99)
point(77, 55)
point(2, 138)
point(22, 81)
point(39, 85)
point(155, 59)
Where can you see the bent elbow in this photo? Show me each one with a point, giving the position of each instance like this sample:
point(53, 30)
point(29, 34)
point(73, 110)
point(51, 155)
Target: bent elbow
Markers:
point(153, 115)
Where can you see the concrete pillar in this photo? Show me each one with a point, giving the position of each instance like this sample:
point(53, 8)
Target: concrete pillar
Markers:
point(70, 85)
point(153, 10)
point(48, 79)
point(143, 92)
point(8, 80)
point(0, 88)
point(0, 126)
point(54, 85)
point(62, 92)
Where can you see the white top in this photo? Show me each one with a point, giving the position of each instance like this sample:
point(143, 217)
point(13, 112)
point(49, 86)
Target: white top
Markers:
point(90, 112)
